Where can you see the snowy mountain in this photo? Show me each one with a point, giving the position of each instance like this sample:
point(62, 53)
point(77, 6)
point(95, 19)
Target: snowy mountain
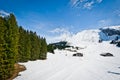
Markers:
point(95, 35)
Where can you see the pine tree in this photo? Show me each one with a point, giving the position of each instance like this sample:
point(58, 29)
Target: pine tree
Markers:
point(28, 45)
point(8, 45)
point(22, 45)
point(3, 55)
point(50, 48)
point(11, 38)
point(43, 49)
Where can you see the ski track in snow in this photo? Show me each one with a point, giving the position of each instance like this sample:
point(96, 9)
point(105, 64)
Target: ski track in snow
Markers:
point(91, 66)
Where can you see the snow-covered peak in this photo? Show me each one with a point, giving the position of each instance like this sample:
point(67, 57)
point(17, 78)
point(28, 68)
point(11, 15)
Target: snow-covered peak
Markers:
point(3, 13)
point(87, 36)
point(113, 27)
point(95, 35)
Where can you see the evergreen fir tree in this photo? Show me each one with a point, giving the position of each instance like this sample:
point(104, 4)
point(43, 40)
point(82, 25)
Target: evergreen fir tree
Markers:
point(3, 55)
point(11, 43)
point(43, 49)
point(9, 47)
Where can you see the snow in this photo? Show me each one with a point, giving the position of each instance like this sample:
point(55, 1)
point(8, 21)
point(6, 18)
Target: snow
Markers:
point(63, 66)
point(91, 36)
point(113, 27)
point(92, 66)
point(83, 37)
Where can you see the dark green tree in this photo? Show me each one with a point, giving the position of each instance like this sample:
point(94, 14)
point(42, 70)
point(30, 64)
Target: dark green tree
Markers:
point(24, 45)
point(11, 39)
point(3, 55)
point(43, 49)
point(50, 48)
point(9, 46)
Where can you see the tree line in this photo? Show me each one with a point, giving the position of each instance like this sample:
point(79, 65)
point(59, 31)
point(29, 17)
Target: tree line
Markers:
point(18, 45)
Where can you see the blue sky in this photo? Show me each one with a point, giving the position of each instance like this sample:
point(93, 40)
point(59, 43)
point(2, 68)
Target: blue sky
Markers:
point(54, 19)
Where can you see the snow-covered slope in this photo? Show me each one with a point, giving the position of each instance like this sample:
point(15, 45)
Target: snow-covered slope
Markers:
point(84, 37)
point(63, 66)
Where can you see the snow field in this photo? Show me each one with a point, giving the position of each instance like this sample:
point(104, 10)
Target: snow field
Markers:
point(63, 66)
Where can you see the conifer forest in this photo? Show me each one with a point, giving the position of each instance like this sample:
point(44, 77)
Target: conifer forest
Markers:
point(18, 45)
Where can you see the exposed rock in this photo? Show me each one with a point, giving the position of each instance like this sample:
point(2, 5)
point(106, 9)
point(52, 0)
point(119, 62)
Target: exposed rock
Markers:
point(106, 54)
point(78, 54)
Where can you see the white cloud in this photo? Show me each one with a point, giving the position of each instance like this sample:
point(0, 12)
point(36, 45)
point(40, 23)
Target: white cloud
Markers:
point(60, 34)
point(62, 37)
point(99, 1)
point(117, 12)
point(75, 3)
point(2, 12)
point(59, 30)
point(88, 5)
point(104, 22)
point(84, 4)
